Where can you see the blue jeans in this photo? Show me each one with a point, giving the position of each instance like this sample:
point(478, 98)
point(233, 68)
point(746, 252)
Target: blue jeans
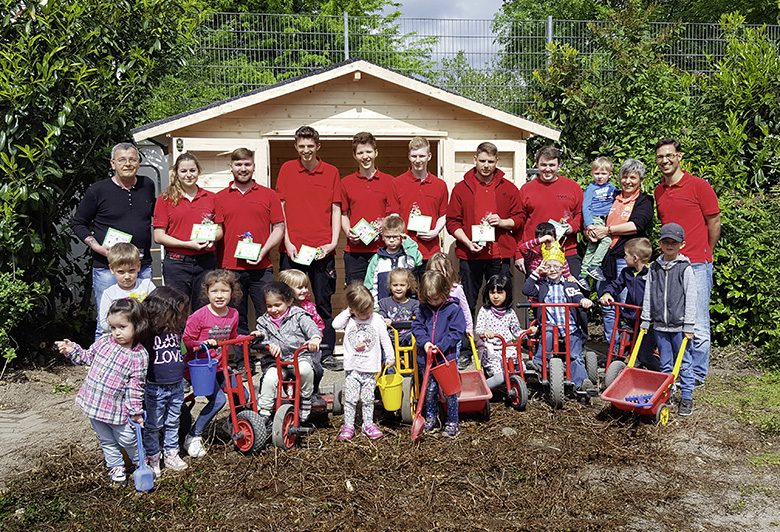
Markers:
point(578, 371)
point(700, 350)
point(432, 402)
point(216, 402)
point(609, 312)
point(114, 438)
point(668, 346)
point(102, 278)
point(163, 410)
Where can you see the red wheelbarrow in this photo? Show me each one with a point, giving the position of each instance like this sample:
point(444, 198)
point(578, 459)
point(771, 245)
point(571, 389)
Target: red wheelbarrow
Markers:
point(475, 393)
point(641, 391)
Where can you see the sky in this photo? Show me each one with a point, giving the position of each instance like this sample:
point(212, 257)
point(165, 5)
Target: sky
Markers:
point(461, 9)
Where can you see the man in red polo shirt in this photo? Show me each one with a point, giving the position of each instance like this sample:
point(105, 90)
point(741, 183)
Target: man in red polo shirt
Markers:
point(246, 211)
point(689, 201)
point(367, 195)
point(421, 194)
point(487, 200)
point(310, 190)
point(551, 196)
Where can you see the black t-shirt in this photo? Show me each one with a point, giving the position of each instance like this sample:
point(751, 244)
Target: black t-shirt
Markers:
point(166, 361)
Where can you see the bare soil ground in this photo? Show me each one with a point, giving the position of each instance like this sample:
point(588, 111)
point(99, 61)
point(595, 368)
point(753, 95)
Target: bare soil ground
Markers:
point(573, 469)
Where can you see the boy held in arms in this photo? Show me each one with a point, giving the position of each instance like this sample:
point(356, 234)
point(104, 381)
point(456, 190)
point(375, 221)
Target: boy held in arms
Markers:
point(399, 251)
point(546, 285)
point(124, 261)
point(596, 203)
point(669, 306)
point(632, 279)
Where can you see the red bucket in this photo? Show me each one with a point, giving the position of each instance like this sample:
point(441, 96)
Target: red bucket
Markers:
point(448, 376)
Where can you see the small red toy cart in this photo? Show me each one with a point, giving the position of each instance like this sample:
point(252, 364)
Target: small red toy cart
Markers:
point(475, 393)
point(642, 391)
point(621, 341)
point(514, 371)
point(555, 372)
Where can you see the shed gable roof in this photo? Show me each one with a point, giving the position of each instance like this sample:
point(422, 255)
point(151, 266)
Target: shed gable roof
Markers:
point(264, 94)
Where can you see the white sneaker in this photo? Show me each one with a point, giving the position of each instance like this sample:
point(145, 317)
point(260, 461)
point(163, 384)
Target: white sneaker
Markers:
point(304, 417)
point(117, 474)
point(173, 461)
point(194, 446)
point(154, 462)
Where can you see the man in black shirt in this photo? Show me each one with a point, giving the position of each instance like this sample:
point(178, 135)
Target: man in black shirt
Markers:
point(117, 209)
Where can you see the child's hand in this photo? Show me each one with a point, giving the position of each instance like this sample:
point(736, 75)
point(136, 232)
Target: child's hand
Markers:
point(391, 362)
point(275, 350)
point(314, 344)
point(586, 303)
point(428, 346)
point(533, 329)
point(388, 322)
point(65, 346)
point(571, 279)
point(211, 342)
point(138, 418)
point(257, 334)
point(606, 299)
point(547, 239)
point(688, 335)
point(488, 334)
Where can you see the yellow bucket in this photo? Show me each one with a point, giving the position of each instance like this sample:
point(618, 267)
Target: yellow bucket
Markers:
point(391, 389)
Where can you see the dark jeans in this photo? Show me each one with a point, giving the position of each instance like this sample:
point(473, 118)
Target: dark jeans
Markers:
point(185, 273)
point(252, 284)
point(474, 272)
point(575, 265)
point(356, 266)
point(322, 275)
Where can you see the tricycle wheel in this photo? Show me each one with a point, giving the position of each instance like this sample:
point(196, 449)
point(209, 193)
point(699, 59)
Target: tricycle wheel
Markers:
point(252, 429)
point(614, 369)
point(284, 420)
point(556, 376)
point(338, 399)
point(518, 397)
point(592, 367)
point(407, 402)
point(662, 416)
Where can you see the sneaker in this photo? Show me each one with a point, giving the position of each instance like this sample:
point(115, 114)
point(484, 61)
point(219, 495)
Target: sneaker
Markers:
point(698, 383)
point(685, 408)
point(331, 363)
point(584, 284)
point(305, 413)
point(153, 461)
point(530, 365)
point(117, 474)
point(597, 274)
point(430, 424)
point(451, 430)
point(194, 446)
point(173, 461)
point(346, 433)
point(372, 431)
point(587, 385)
point(464, 360)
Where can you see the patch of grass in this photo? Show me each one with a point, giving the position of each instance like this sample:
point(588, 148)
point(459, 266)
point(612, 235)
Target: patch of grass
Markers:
point(63, 388)
point(752, 399)
point(34, 510)
point(767, 459)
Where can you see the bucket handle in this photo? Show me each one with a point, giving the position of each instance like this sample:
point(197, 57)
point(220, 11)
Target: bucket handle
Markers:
point(205, 348)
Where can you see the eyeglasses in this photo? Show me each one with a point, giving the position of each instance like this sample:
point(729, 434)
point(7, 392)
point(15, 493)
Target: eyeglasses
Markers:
point(391, 237)
point(666, 156)
point(124, 160)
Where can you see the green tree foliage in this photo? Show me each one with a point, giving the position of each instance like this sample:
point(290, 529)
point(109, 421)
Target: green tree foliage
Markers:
point(72, 76)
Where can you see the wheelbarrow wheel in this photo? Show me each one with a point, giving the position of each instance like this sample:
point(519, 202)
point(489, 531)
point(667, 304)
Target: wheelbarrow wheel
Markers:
point(252, 433)
point(282, 436)
point(556, 375)
point(407, 402)
point(662, 416)
point(338, 399)
point(614, 369)
point(518, 397)
point(592, 366)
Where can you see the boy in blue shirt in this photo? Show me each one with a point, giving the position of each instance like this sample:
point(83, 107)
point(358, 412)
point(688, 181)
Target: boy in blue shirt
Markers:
point(399, 251)
point(596, 204)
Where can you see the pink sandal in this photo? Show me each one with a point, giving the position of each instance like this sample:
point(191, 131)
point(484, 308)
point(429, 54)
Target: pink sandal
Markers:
point(346, 433)
point(372, 431)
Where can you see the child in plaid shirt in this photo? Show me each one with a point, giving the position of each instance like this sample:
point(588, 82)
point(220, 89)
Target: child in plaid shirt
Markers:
point(114, 387)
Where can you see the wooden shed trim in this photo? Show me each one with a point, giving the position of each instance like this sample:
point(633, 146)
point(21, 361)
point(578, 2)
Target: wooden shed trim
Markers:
point(165, 126)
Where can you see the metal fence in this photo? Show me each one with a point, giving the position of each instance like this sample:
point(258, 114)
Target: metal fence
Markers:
point(488, 61)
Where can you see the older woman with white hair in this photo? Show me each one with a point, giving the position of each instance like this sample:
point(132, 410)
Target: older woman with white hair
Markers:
point(631, 216)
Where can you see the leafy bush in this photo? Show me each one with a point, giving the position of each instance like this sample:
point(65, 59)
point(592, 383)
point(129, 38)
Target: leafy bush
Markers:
point(17, 299)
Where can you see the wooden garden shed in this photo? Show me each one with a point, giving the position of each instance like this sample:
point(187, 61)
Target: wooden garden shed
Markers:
point(340, 101)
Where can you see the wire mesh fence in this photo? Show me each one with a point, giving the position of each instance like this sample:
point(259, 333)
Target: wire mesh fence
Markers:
point(486, 60)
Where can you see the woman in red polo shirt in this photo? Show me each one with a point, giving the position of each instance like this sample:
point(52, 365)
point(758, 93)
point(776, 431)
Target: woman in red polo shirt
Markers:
point(184, 224)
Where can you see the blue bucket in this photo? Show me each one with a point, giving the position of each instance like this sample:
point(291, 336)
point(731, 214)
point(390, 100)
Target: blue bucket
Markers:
point(203, 373)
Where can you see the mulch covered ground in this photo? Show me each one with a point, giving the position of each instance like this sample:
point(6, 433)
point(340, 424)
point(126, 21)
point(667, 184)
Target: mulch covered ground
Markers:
point(573, 469)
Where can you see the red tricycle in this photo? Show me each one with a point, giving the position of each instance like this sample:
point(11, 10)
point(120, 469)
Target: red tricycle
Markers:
point(620, 341)
point(514, 370)
point(555, 371)
point(643, 391)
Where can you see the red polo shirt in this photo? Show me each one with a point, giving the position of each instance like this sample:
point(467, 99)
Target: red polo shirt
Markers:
point(541, 201)
point(372, 199)
point(177, 220)
point(254, 211)
point(429, 195)
point(308, 201)
point(687, 202)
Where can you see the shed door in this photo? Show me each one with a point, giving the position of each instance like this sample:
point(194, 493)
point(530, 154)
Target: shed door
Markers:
point(214, 157)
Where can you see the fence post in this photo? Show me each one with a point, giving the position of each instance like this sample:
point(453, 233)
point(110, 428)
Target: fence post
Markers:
point(346, 36)
point(548, 35)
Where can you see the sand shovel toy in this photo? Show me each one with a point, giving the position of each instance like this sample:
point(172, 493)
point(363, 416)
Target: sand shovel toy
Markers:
point(143, 477)
point(418, 425)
